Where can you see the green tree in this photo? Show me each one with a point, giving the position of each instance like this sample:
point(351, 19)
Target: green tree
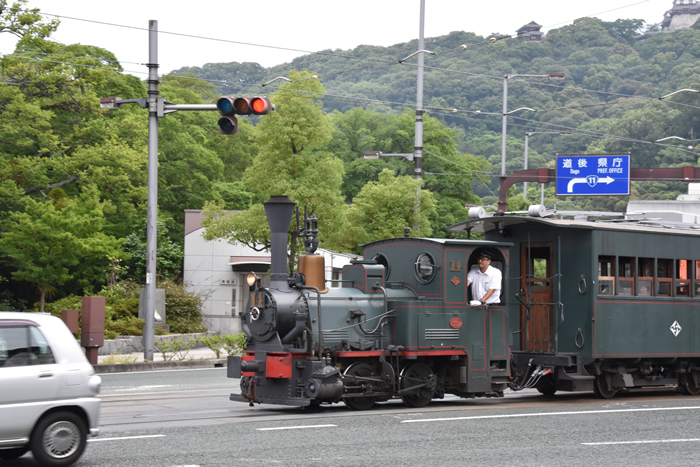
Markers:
point(384, 208)
point(52, 242)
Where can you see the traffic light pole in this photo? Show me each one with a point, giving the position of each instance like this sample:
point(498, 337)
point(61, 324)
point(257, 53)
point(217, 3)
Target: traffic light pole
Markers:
point(157, 107)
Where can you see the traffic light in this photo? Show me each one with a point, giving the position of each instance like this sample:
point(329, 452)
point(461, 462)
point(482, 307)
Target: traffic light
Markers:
point(229, 107)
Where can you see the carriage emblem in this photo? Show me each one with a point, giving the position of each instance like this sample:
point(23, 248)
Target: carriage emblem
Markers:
point(592, 180)
point(676, 328)
point(455, 280)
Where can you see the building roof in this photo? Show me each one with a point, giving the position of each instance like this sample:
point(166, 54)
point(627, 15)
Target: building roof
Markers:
point(488, 224)
point(531, 26)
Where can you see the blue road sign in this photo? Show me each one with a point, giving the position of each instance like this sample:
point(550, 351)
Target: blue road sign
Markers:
point(602, 174)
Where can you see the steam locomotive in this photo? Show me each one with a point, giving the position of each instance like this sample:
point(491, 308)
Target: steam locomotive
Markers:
point(584, 306)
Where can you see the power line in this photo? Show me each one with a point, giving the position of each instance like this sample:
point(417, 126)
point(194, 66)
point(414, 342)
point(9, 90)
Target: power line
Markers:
point(382, 61)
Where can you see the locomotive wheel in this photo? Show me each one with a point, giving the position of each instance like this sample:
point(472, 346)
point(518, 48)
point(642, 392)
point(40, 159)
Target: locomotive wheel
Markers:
point(362, 370)
point(687, 385)
point(415, 375)
point(602, 389)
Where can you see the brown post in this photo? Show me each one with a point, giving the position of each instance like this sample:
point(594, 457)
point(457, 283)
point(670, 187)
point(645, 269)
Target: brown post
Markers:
point(71, 317)
point(93, 333)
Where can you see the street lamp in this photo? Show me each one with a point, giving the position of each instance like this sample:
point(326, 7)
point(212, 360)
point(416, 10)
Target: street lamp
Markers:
point(527, 142)
point(676, 92)
point(505, 110)
point(675, 137)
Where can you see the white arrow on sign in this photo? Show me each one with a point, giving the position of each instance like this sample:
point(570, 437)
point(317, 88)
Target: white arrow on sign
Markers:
point(591, 180)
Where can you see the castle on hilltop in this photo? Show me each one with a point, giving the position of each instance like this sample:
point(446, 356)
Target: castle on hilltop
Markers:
point(683, 15)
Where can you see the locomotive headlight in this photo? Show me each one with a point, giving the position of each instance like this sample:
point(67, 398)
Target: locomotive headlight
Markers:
point(251, 279)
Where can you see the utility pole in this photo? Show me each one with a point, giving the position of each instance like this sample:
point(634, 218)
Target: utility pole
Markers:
point(417, 156)
point(152, 218)
point(418, 145)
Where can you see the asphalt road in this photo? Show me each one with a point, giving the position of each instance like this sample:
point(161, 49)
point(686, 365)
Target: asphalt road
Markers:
point(184, 418)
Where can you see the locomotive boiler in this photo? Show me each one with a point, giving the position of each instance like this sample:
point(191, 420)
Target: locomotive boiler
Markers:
point(584, 306)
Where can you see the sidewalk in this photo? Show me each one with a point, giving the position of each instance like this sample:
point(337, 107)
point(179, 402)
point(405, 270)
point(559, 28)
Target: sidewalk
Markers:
point(201, 357)
point(136, 357)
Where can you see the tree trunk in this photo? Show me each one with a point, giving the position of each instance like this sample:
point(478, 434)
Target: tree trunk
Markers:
point(42, 289)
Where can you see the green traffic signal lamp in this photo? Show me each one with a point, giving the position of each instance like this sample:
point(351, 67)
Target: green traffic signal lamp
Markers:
point(225, 106)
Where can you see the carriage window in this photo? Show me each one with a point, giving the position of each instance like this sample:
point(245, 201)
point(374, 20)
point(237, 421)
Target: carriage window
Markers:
point(664, 270)
point(645, 277)
point(425, 267)
point(606, 275)
point(540, 266)
point(625, 284)
point(697, 278)
point(683, 278)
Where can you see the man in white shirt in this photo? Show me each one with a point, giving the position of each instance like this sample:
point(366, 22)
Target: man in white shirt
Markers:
point(486, 280)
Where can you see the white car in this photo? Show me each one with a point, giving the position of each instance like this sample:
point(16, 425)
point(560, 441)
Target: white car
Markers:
point(48, 390)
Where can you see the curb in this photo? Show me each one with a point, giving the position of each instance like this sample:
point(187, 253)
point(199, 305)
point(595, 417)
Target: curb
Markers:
point(155, 366)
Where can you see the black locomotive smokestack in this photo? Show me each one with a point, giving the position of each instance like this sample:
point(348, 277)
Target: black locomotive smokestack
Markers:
point(279, 210)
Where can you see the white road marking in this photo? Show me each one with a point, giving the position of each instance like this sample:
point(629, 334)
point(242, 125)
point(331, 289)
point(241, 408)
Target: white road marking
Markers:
point(126, 373)
point(146, 387)
point(543, 414)
point(125, 437)
point(644, 442)
point(294, 427)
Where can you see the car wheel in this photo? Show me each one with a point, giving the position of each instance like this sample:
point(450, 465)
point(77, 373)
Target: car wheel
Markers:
point(13, 453)
point(58, 439)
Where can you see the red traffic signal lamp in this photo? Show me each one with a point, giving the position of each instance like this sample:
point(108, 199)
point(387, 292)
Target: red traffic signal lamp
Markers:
point(230, 106)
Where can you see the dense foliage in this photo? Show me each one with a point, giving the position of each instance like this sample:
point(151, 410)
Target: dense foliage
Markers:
point(73, 176)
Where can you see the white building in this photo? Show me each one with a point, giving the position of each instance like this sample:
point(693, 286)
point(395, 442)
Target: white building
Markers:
point(216, 271)
point(685, 208)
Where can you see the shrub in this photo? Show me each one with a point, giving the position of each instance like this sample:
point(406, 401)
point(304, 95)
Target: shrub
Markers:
point(235, 344)
point(130, 326)
point(176, 348)
point(215, 343)
point(184, 309)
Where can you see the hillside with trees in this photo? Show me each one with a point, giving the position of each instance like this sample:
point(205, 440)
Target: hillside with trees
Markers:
point(608, 99)
point(73, 176)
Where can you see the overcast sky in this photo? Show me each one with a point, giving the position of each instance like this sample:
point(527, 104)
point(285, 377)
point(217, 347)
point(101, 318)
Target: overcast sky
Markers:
point(306, 25)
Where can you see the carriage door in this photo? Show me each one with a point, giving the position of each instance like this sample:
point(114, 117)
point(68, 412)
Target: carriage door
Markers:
point(537, 293)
